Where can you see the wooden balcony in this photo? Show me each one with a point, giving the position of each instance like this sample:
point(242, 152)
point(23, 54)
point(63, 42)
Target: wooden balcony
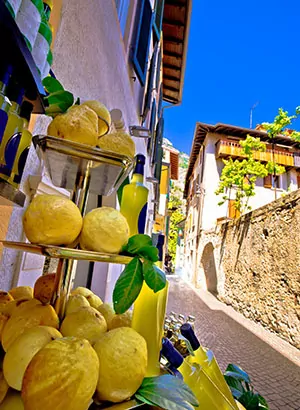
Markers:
point(228, 148)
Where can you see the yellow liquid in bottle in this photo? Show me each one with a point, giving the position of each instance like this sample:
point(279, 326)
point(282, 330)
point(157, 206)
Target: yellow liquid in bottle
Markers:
point(148, 320)
point(134, 199)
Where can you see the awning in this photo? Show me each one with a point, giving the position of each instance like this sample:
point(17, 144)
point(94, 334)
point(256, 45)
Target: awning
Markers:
point(176, 24)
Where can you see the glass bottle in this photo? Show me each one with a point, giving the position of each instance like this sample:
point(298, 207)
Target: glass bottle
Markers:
point(4, 102)
point(134, 199)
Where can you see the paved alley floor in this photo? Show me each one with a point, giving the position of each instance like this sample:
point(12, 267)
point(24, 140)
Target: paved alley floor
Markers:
point(234, 339)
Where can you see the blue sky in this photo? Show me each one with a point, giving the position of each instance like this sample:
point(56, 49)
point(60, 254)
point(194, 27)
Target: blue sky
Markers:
point(240, 52)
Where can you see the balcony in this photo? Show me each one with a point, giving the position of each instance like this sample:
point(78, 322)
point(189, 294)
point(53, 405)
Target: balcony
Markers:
point(227, 148)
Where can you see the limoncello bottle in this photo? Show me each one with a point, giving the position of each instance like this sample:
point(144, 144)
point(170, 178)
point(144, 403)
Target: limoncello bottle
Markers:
point(134, 199)
point(4, 105)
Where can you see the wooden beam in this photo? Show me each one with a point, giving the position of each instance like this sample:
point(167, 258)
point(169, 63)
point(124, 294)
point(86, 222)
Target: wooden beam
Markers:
point(171, 22)
point(172, 39)
point(171, 67)
point(171, 77)
point(173, 54)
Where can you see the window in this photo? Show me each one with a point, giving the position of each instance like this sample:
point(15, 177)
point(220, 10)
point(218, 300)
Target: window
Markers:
point(142, 41)
point(268, 181)
point(122, 7)
point(159, 13)
point(158, 148)
point(271, 181)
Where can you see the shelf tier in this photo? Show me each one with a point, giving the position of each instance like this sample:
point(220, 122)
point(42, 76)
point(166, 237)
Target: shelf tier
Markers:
point(10, 195)
point(128, 405)
point(67, 161)
point(15, 51)
point(67, 253)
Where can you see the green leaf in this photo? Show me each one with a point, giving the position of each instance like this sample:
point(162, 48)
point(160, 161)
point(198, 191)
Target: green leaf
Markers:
point(149, 252)
point(52, 85)
point(167, 392)
point(262, 403)
point(136, 242)
point(128, 286)
point(249, 400)
point(154, 277)
point(236, 369)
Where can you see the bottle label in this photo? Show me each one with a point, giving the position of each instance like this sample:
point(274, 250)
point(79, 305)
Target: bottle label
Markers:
point(28, 20)
point(142, 219)
point(40, 51)
point(3, 122)
point(10, 153)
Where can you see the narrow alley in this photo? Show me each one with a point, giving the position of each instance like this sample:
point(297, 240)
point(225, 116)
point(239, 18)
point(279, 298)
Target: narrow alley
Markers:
point(273, 375)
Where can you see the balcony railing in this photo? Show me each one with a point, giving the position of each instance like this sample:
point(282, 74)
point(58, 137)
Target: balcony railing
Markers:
point(297, 160)
point(227, 148)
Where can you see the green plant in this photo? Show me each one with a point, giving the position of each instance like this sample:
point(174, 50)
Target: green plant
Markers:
point(166, 392)
point(141, 268)
point(58, 99)
point(239, 176)
point(175, 218)
point(242, 389)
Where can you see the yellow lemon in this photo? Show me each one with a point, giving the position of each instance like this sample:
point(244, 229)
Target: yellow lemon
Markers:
point(52, 220)
point(102, 113)
point(94, 300)
point(44, 287)
point(5, 297)
point(81, 290)
point(122, 356)
point(76, 302)
point(39, 315)
point(107, 311)
point(61, 376)
point(12, 401)
point(119, 142)
point(3, 387)
point(86, 323)
point(123, 320)
point(21, 292)
point(78, 124)
point(23, 349)
point(104, 230)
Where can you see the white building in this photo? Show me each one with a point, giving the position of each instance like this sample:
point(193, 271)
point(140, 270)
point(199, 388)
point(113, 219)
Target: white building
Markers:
point(130, 55)
point(211, 144)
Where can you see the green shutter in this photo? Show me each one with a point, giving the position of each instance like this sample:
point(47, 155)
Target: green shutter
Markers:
point(150, 85)
point(142, 41)
point(158, 148)
point(159, 12)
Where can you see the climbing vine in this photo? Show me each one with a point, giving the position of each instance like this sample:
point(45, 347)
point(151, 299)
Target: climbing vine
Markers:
point(239, 176)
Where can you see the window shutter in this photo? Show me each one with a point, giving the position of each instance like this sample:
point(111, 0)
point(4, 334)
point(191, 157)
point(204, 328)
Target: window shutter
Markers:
point(159, 148)
point(151, 142)
point(160, 101)
point(233, 212)
point(268, 181)
point(158, 69)
point(159, 12)
point(150, 86)
point(141, 48)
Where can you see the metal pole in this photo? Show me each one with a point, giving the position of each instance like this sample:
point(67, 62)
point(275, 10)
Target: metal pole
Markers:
point(251, 112)
point(66, 269)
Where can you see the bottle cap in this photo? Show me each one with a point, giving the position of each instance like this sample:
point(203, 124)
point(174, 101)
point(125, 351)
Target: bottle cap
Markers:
point(191, 318)
point(140, 159)
point(171, 354)
point(139, 164)
point(188, 332)
point(181, 317)
point(26, 110)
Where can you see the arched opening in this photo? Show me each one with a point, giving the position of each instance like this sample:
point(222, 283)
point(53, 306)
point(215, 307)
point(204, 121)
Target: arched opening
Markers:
point(209, 266)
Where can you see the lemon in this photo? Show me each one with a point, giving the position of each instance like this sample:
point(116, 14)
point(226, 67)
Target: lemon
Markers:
point(23, 349)
point(52, 220)
point(104, 230)
point(3, 387)
point(12, 401)
point(86, 323)
point(21, 292)
point(94, 300)
point(119, 142)
point(81, 290)
point(122, 357)
point(102, 113)
point(107, 311)
point(78, 124)
point(44, 287)
point(61, 376)
point(5, 297)
point(76, 302)
point(123, 320)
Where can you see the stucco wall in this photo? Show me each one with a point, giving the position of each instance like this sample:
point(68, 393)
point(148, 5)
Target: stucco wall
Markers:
point(257, 261)
point(91, 60)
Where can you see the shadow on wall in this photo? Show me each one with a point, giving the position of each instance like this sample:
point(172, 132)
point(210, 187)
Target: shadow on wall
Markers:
point(209, 266)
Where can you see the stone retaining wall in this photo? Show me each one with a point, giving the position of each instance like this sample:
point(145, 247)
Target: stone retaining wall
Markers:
point(259, 257)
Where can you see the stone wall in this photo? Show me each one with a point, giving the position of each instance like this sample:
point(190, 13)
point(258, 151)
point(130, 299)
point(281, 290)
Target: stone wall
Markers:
point(259, 257)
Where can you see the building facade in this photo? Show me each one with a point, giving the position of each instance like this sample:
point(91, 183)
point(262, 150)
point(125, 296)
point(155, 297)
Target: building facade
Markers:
point(211, 145)
point(130, 55)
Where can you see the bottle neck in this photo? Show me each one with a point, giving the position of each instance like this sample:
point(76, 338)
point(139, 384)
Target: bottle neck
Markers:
point(137, 178)
point(25, 124)
point(15, 108)
point(2, 87)
point(188, 332)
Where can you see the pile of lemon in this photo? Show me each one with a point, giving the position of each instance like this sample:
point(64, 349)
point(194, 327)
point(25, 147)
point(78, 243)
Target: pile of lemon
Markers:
point(89, 124)
point(56, 220)
point(92, 354)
